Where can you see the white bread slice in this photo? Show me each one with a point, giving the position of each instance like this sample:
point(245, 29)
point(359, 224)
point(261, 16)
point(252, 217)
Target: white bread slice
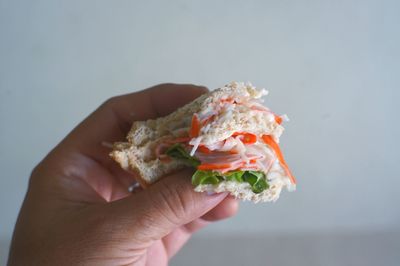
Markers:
point(243, 191)
point(137, 155)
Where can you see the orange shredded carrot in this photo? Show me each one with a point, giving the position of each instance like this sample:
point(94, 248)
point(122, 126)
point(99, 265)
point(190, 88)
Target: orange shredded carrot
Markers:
point(195, 127)
point(278, 119)
point(204, 149)
point(206, 120)
point(246, 138)
point(215, 166)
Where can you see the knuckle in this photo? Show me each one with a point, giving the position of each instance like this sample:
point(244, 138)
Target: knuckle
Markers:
point(110, 102)
point(38, 176)
point(173, 202)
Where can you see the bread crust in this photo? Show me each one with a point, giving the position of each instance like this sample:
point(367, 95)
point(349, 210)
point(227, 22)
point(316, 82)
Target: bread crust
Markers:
point(243, 191)
point(146, 171)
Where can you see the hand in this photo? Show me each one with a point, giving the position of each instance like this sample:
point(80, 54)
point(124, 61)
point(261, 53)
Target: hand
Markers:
point(78, 210)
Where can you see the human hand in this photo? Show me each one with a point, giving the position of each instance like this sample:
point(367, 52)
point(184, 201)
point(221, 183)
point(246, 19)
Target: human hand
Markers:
point(78, 210)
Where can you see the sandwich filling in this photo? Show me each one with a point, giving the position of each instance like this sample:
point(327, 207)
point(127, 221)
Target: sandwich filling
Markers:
point(231, 140)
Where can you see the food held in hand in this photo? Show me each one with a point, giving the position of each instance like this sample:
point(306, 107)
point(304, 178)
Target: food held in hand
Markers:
point(227, 135)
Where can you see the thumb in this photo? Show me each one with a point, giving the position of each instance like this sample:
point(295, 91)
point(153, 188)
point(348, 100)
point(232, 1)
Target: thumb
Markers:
point(156, 211)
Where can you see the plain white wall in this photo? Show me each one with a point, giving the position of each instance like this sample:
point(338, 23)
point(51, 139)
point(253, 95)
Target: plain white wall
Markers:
point(332, 66)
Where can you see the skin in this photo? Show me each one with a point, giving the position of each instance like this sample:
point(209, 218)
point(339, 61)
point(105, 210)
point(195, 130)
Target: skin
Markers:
point(78, 211)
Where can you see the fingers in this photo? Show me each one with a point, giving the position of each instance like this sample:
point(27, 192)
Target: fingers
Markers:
point(113, 119)
point(156, 254)
point(93, 137)
point(166, 205)
point(226, 209)
point(176, 239)
point(166, 98)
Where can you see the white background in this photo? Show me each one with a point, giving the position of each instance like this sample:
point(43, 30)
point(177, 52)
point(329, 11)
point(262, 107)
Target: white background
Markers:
point(332, 66)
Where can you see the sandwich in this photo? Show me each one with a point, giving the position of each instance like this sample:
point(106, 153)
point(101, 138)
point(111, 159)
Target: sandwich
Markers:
point(227, 135)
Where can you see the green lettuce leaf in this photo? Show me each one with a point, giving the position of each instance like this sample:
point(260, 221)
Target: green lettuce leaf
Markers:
point(234, 176)
point(206, 177)
point(260, 186)
point(256, 179)
point(177, 151)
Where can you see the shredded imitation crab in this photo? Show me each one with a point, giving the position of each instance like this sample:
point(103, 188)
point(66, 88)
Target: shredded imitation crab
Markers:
point(240, 151)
